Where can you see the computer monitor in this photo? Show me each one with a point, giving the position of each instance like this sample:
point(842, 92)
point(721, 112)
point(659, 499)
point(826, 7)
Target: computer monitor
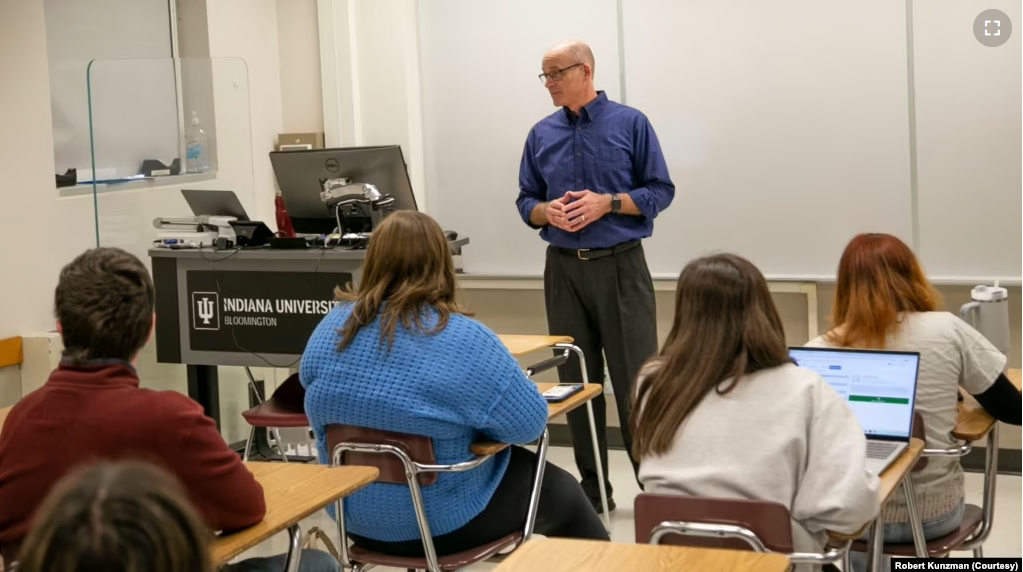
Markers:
point(300, 175)
point(878, 385)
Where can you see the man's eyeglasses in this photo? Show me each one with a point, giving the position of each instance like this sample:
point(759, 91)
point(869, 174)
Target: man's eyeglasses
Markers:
point(557, 75)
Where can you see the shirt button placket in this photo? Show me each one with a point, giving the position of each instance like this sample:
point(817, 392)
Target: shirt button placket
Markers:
point(579, 157)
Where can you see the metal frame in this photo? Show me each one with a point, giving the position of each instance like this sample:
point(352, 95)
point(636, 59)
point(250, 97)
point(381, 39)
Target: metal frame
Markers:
point(593, 430)
point(278, 443)
point(412, 471)
point(975, 543)
point(294, 558)
point(708, 530)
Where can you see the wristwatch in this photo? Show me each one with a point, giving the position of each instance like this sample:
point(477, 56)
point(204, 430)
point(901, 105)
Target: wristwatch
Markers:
point(616, 203)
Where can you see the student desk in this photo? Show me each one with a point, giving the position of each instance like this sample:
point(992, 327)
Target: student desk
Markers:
point(554, 410)
point(565, 555)
point(520, 345)
point(293, 492)
point(891, 478)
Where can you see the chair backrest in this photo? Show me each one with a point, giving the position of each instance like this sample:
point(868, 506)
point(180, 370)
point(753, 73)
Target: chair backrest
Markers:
point(770, 521)
point(290, 393)
point(392, 470)
point(919, 432)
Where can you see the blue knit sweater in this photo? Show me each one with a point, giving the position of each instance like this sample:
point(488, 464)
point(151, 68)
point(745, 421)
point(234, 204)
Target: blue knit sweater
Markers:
point(456, 387)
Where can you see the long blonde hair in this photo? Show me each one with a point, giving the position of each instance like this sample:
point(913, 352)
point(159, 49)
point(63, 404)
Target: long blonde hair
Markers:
point(408, 273)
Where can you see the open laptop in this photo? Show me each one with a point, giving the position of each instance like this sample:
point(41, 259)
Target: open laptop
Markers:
point(214, 203)
point(880, 388)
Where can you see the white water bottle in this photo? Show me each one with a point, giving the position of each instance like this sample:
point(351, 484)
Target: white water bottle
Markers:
point(197, 159)
point(988, 313)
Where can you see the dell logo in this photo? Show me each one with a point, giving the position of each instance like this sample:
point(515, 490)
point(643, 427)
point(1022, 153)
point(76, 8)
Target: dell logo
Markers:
point(331, 165)
point(205, 310)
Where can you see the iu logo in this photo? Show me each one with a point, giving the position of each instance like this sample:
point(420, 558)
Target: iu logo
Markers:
point(205, 310)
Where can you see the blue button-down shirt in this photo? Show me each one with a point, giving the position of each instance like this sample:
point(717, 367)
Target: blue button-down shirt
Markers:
point(607, 148)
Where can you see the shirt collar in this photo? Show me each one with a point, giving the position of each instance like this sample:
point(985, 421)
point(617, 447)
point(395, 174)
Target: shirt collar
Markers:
point(95, 364)
point(590, 111)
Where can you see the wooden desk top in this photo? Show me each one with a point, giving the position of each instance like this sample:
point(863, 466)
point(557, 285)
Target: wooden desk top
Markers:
point(891, 478)
point(293, 491)
point(1016, 377)
point(973, 422)
point(589, 391)
point(522, 345)
point(564, 555)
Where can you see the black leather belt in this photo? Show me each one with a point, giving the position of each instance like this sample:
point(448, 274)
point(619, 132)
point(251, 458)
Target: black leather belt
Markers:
point(595, 253)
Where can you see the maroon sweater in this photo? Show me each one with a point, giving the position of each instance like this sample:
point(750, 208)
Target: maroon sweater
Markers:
point(85, 413)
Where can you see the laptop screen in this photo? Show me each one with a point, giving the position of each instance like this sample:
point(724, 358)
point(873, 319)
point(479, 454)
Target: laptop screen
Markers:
point(879, 386)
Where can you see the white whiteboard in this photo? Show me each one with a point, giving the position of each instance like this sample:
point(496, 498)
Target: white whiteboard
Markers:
point(968, 142)
point(785, 125)
point(481, 96)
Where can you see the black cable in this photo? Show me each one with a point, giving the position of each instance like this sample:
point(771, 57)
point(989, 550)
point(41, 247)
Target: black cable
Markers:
point(234, 338)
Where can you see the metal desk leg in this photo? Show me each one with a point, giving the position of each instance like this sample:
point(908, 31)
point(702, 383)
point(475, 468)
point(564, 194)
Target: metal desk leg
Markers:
point(593, 436)
point(875, 545)
point(600, 466)
point(204, 388)
point(915, 523)
point(294, 549)
point(534, 497)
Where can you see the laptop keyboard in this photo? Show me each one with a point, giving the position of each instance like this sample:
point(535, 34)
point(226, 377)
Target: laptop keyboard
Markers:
point(880, 449)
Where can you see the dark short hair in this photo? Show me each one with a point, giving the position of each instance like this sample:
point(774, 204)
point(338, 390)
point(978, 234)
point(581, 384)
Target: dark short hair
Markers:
point(117, 517)
point(104, 302)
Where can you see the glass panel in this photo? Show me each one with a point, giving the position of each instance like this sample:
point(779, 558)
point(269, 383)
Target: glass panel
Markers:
point(140, 129)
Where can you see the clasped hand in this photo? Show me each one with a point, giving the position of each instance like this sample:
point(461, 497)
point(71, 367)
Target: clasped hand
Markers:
point(577, 210)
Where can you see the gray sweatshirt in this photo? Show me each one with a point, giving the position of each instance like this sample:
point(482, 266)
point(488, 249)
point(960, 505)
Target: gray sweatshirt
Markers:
point(780, 435)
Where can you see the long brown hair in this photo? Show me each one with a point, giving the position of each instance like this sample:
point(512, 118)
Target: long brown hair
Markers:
point(878, 277)
point(117, 517)
point(726, 325)
point(408, 272)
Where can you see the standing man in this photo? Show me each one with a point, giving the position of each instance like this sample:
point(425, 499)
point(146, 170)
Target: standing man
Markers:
point(593, 179)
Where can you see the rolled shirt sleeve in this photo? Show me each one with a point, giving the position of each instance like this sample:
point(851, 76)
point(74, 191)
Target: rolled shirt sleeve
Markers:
point(657, 191)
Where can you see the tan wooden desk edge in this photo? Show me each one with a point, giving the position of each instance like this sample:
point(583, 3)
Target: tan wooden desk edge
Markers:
point(3, 416)
point(973, 423)
point(891, 478)
point(554, 410)
point(520, 345)
point(293, 492)
point(562, 555)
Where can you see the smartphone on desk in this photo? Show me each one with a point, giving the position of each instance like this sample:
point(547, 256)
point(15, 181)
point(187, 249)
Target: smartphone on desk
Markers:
point(561, 392)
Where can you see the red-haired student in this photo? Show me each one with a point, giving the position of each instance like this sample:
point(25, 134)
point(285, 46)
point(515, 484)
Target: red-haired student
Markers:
point(884, 301)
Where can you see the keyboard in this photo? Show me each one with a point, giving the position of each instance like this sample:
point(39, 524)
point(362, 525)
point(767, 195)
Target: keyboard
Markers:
point(880, 449)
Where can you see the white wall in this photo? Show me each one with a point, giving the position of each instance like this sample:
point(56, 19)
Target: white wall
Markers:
point(248, 29)
point(132, 82)
point(27, 190)
point(299, 46)
point(371, 81)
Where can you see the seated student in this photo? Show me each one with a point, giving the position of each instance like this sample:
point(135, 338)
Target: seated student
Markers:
point(399, 354)
point(117, 517)
point(92, 408)
point(723, 411)
point(884, 301)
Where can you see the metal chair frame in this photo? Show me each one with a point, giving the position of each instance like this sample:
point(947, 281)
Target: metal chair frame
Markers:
point(412, 472)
